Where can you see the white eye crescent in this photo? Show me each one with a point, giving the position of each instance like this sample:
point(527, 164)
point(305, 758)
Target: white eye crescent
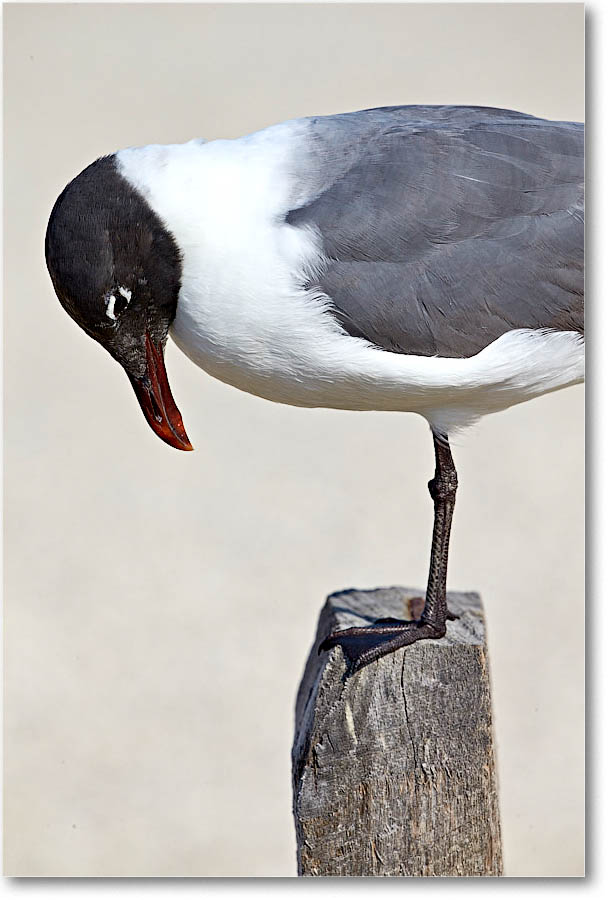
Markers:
point(110, 307)
point(111, 299)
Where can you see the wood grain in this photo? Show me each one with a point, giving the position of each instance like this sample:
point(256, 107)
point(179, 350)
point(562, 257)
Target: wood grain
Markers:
point(393, 767)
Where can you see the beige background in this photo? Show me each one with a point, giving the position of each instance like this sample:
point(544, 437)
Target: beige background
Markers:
point(160, 606)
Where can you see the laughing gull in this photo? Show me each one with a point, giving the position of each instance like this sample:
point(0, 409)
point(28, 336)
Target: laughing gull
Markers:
point(425, 259)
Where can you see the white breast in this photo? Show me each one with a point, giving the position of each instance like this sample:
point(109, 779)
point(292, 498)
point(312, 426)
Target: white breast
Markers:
point(244, 316)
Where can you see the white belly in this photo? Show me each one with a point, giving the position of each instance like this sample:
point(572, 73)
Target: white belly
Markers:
point(306, 360)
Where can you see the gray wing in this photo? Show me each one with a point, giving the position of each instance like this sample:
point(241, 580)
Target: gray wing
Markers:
point(445, 227)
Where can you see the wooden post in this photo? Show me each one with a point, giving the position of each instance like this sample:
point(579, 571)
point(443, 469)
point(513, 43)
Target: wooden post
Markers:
point(393, 767)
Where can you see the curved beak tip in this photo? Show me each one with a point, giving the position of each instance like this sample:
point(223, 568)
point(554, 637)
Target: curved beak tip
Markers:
point(178, 441)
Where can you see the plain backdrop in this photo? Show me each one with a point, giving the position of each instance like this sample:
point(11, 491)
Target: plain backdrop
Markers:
point(159, 606)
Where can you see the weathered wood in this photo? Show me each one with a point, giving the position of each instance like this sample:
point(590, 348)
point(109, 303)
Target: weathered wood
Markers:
point(393, 767)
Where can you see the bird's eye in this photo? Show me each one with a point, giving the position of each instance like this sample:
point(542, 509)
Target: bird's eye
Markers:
point(116, 302)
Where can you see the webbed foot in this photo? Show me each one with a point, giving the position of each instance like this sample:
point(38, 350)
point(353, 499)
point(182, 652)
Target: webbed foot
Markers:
point(362, 646)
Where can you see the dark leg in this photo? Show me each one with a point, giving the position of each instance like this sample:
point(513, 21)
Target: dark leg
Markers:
point(442, 489)
point(364, 645)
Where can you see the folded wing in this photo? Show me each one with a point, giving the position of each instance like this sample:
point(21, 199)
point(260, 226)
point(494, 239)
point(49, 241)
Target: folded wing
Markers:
point(445, 227)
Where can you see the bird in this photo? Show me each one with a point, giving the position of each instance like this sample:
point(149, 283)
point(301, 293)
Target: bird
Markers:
point(415, 258)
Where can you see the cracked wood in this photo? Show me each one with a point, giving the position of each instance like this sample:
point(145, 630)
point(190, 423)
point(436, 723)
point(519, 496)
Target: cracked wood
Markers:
point(393, 768)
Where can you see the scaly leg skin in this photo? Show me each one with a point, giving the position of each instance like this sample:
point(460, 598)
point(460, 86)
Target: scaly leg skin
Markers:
point(362, 646)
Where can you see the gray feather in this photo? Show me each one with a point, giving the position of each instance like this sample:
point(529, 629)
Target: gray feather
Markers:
point(445, 227)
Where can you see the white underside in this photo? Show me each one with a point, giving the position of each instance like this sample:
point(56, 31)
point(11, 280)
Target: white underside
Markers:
point(244, 317)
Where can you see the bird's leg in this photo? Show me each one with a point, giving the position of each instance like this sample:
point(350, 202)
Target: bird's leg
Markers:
point(364, 645)
point(442, 489)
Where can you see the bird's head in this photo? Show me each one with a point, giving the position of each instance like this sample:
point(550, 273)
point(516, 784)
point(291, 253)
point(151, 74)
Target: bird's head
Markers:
point(116, 270)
